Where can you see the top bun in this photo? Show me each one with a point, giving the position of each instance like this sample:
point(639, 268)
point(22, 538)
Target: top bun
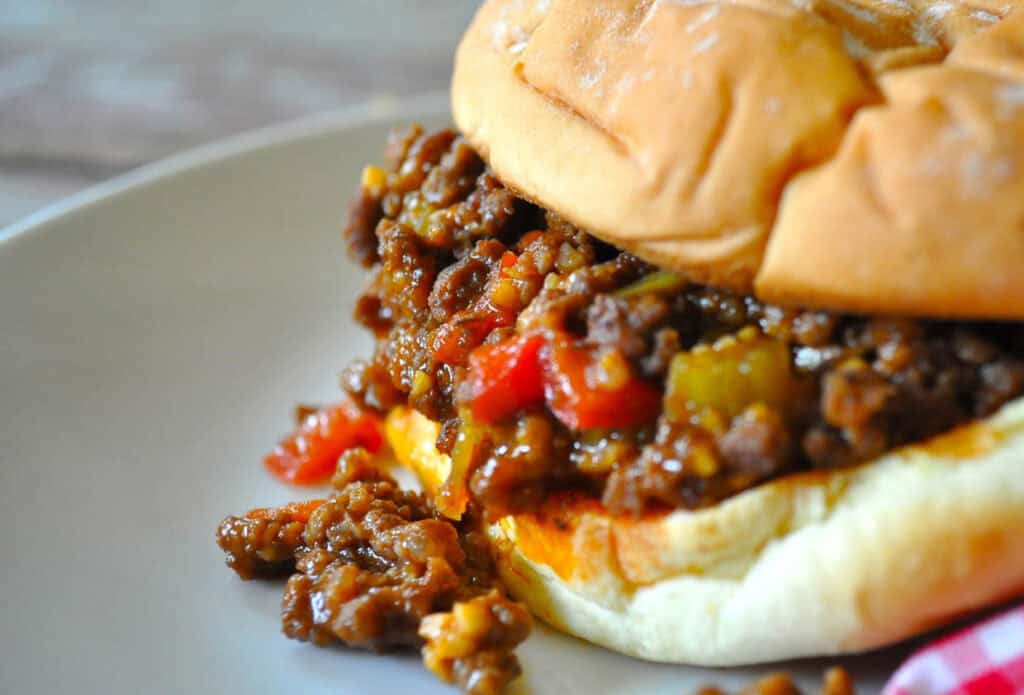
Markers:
point(850, 154)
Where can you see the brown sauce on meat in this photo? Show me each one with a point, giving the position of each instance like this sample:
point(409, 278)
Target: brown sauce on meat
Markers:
point(375, 567)
point(836, 682)
point(860, 386)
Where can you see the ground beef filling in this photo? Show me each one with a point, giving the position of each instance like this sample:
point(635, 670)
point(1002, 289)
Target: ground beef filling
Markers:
point(375, 567)
point(460, 263)
point(836, 682)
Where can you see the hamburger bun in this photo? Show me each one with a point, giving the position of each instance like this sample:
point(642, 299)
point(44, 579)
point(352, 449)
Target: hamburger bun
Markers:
point(863, 156)
point(816, 563)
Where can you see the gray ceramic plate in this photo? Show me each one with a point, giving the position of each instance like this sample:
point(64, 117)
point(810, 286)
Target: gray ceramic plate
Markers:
point(155, 333)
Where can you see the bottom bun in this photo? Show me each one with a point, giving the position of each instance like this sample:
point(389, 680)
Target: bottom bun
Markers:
point(812, 564)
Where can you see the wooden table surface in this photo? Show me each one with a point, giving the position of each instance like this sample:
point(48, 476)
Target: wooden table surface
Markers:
point(91, 88)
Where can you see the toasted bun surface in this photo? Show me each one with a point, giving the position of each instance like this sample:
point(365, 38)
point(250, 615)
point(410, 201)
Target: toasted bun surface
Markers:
point(820, 563)
point(853, 154)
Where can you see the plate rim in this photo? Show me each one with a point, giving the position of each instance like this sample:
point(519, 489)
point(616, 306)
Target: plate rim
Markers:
point(362, 113)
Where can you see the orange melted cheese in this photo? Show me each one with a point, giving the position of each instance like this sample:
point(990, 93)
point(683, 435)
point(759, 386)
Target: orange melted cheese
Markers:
point(965, 442)
point(549, 536)
point(576, 537)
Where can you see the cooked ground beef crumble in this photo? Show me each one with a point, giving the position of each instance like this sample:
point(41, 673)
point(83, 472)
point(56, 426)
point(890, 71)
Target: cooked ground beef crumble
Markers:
point(375, 567)
point(836, 682)
point(459, 261)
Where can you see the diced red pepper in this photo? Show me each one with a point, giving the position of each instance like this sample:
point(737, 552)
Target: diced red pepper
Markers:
point(311, 453)
point(452, 342)
point(506, 377)
point(526, 370)
point(581, 405)
point(508, 259)
point(465, 331)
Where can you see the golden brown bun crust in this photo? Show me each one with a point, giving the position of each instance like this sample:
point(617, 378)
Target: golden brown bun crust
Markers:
point(852, 154)
point(821, 563)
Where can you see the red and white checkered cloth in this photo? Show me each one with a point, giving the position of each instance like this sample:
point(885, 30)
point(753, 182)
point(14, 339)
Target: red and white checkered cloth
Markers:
point(984, 659)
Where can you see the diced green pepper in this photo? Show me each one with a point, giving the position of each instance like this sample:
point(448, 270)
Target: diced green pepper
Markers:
point(728, 376)
point(658, 281)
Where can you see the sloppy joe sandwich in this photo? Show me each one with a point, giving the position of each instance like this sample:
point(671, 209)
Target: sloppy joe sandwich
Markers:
point(714, 310)
point(703, 330)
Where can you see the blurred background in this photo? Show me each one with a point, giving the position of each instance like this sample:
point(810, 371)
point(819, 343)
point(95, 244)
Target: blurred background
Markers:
point(91, 88)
